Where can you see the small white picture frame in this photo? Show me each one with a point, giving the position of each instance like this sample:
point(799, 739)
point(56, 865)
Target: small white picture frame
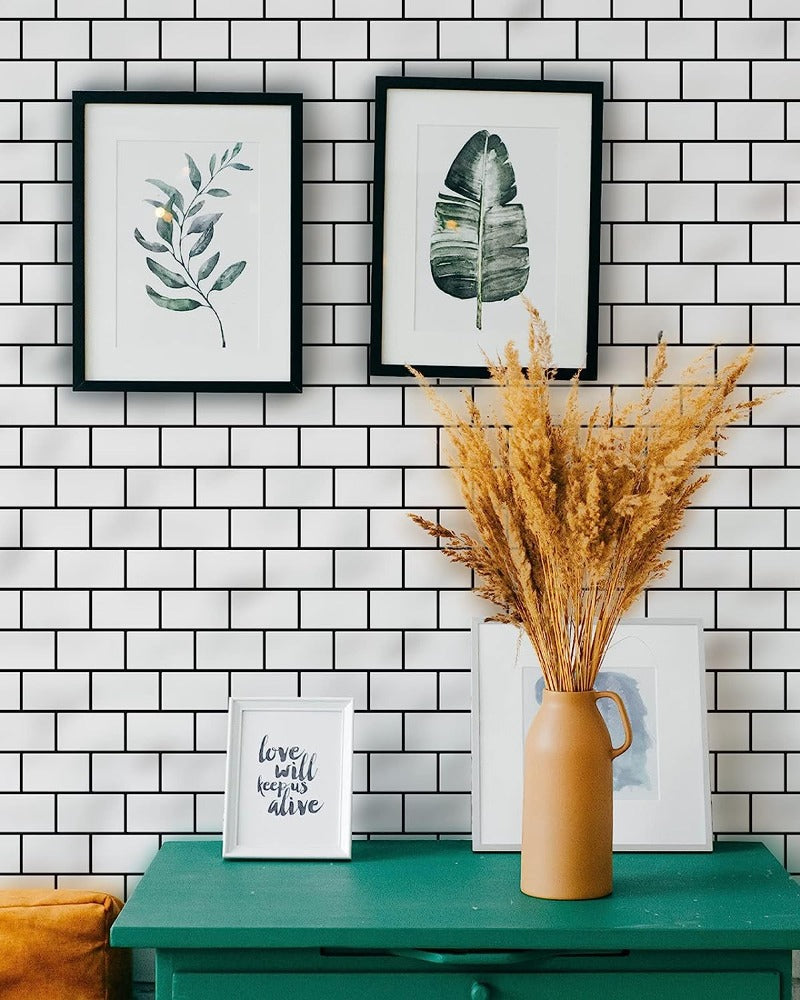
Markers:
point(289, 778)
point(662, 801)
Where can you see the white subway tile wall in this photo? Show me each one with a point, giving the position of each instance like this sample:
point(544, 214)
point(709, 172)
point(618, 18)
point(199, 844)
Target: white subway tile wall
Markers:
point(161, 552)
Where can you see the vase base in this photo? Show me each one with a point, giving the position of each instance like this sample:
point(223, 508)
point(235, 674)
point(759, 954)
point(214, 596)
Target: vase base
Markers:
point(564, 892)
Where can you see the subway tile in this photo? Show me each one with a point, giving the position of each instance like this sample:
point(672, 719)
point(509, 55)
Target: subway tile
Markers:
point(220, 75)
point(750, 39)
point(194, 39)
point(96, 731)
point(230, 8)
point(339, 39)
point(160, 731)
point(27, 81)
point(274, 609)
point(653, 79)
point(91, 568)
point(344, 609)
point(403, 772)
point(750, 120)
point(677, 120)
point(100, 812)
point(369, 650)
point(403, 39)
point(716, 80)
point(263, 40)
point(336, 684)
point(237, 650)
point(297, 568)
point(122, 609)
point(680, 39)
point(192, 609)
point(774, 80)
point(607, 39)
point(448, 813)
point(472, 39)
point(94, 74)
point(76, 650)
point(652, 161)
point(125, 39)
point(158, 75)
point(54, 527)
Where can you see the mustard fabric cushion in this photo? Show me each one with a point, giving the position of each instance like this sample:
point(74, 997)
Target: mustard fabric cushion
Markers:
point(54, 946)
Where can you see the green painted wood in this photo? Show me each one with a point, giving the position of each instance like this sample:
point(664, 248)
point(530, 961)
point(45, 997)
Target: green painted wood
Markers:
point(439, 895)
point(541, 986)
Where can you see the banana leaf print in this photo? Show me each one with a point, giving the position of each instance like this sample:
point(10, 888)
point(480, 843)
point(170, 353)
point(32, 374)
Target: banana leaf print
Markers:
point(478, 246)
point(178, 219)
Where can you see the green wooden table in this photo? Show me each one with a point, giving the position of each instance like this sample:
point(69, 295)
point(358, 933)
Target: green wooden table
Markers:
point(413, 920)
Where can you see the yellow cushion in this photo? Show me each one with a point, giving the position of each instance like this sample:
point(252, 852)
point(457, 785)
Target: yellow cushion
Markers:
point(54, 946)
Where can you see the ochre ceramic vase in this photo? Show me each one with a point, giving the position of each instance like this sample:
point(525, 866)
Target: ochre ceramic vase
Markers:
point(568, 797)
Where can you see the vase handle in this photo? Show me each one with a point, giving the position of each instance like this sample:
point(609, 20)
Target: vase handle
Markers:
point(626, 722)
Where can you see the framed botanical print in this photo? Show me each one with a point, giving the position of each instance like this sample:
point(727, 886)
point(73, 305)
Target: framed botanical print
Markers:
point(187, 232)
point(485, 191)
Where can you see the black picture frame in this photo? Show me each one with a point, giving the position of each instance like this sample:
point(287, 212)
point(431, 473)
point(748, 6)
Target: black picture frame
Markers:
point(384, 259)
point(289, 377)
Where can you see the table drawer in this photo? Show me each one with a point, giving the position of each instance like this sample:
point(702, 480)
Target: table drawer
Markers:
point(466, 986)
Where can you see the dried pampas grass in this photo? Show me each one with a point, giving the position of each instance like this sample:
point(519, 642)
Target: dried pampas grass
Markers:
point(572, 517)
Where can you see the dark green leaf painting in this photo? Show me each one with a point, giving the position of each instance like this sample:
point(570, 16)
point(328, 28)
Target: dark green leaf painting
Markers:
point(478, 246)
point(185, 235)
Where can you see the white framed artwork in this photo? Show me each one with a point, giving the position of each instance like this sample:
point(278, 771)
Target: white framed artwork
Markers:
point(662, 796)
point(289, 778)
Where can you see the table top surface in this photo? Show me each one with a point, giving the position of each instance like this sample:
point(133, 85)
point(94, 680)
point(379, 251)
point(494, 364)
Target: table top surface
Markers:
point(439, 894)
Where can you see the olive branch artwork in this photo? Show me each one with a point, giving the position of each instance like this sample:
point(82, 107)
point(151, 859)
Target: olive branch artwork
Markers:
point(477, 247)
point(176, 222)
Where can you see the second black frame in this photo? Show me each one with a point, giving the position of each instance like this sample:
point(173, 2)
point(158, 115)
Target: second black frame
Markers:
point(480, 184)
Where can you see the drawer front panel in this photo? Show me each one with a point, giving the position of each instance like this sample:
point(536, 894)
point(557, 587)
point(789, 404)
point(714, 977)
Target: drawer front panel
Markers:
point(466, 986)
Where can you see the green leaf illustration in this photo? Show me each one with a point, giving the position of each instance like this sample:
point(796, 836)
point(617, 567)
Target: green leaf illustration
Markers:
point(207, 267)
point(194, 173)
point(170, 278)
point(201, 222)
point(228, 276)
point(202, 243)
point(477, 247)
point(168, 190)
point(164, 230)
point(174, 224)
point(152, 247)
point(176, 305)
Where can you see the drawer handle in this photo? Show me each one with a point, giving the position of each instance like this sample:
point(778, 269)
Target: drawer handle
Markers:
point(467, 958)
point(479, 991)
